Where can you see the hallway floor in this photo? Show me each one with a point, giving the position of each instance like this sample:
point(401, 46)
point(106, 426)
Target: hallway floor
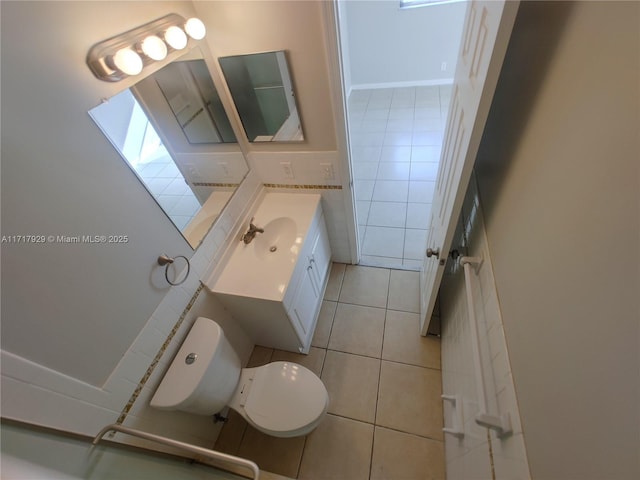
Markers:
point(384, 383)
point(396, 138)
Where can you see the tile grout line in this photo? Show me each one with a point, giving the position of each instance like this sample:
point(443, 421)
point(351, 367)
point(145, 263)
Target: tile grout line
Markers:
point(393, 429)
point(324, 360)
point(375, 416)
point(333, 318)
point(380, 358)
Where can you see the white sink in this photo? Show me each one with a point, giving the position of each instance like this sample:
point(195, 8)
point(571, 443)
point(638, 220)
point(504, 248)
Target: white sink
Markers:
point(263, 268)
point(278, 242)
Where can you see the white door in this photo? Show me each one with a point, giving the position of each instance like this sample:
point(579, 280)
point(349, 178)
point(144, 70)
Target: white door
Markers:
point(486, 35)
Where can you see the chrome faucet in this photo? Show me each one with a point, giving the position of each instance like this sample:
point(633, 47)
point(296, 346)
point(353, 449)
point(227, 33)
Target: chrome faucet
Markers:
point(251, 233)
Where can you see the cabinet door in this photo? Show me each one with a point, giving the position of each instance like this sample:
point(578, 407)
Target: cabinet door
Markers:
point(320, 256)
point(305, 303)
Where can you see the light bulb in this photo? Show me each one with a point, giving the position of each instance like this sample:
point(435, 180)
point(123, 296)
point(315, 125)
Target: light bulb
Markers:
point(176, 38)
point(195, 28)
point(153, 47)
point(128, 61)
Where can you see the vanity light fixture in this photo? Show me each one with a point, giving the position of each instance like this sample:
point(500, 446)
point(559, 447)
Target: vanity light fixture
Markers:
point(154, 48)
point(176, 38)
point(195, 28)
point(128, 53)
point(128, 61)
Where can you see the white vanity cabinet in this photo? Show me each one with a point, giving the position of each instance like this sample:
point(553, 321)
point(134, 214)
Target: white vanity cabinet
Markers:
point(307, 300)
point(274, 285)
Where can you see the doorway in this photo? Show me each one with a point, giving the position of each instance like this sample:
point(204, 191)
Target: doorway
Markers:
point(398, 70)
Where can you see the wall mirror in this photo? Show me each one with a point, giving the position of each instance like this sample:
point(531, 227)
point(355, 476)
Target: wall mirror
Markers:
point(172, 130)
point(262, 91)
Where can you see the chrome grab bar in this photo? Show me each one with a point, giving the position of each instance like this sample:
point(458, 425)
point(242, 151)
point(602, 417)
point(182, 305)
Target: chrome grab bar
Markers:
point(242, 462)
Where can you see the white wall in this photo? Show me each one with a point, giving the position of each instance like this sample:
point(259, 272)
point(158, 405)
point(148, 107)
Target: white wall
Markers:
point(344, 44)
point(61, 176)
point(390, 46)
point(236, 28)
point(559, 181)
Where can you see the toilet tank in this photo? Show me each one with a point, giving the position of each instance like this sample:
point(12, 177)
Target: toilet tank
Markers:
point(203, 375)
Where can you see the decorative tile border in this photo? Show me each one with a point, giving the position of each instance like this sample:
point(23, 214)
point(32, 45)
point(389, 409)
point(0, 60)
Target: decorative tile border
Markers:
point(303, 187)
point(156, 360)
point(491, 464)
point(213, 184)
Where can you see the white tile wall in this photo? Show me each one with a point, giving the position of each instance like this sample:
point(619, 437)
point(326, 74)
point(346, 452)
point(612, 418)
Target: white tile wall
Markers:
point(306, 166)
point(469, 457)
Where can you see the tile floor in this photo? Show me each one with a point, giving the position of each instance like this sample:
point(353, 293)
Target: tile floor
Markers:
point(396, 138)
point(384, 382)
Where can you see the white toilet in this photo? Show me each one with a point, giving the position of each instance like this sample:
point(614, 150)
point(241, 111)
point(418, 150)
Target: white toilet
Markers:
point(282, 399)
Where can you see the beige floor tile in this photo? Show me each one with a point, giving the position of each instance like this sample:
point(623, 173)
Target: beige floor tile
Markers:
point(313, 360)
point(227, 470)
point(409, 399)
point(352, 383)
point(272, 476)
point(339, 449)
point(404, 291)
point(325, 322)
point(259, 356)
point(357, 329)
point(403, 342)
point(398, 455)
point(334, 283)
point(277, 455)
point(231, 434)
point(365, 286)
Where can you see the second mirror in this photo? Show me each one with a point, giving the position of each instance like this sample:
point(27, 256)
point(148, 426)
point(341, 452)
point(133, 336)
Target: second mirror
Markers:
point(262, 92)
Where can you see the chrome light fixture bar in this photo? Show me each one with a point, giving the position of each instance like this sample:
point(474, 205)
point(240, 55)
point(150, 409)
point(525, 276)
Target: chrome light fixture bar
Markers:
point(128, 53)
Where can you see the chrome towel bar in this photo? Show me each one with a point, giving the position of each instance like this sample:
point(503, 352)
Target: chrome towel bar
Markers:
point(242, 462)
point(500, 423)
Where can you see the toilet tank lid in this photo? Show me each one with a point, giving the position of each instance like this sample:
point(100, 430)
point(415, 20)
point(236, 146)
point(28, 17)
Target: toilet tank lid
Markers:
point(189, 365)
point(285, 396)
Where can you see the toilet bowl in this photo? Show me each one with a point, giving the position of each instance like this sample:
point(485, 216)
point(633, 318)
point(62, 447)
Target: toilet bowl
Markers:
point(282, 399)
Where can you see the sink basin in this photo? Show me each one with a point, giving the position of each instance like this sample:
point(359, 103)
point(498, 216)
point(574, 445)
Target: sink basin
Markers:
point(264, 267)
point(277, 241)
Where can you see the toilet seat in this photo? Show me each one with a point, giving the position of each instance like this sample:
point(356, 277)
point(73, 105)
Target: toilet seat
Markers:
point(282, 399)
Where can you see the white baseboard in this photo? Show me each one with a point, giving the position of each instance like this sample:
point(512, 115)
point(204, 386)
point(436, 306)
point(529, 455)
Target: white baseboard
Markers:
point(420, 83)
